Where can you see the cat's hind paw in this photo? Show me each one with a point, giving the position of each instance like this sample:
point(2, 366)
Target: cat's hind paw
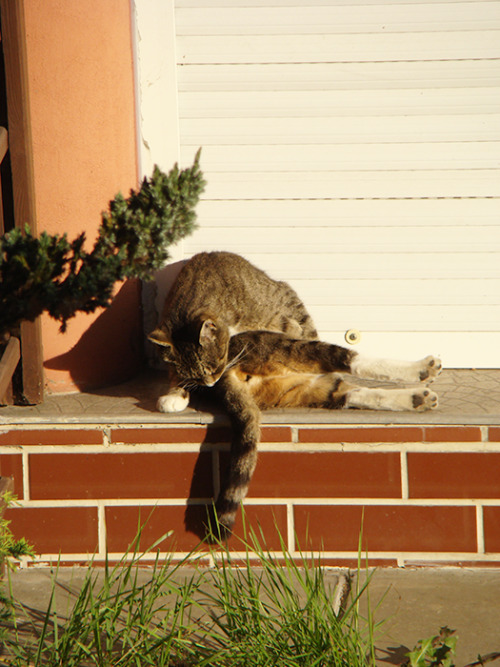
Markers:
point(424, 399)
point(430, 367)
point(175, 401)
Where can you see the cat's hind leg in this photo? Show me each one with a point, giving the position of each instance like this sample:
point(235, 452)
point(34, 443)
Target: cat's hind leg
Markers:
point(332, 392)
point(418, 399)
point(345, 395)
point(424, 370)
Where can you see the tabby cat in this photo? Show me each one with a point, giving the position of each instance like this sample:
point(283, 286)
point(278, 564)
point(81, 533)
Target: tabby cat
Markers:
point(229, 326)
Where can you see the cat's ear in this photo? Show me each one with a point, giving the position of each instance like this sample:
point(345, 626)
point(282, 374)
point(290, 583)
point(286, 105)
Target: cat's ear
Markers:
point(208, 332)
point(159, 337)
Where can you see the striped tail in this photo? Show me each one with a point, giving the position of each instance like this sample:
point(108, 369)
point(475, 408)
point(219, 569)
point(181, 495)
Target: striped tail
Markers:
point(245, 421)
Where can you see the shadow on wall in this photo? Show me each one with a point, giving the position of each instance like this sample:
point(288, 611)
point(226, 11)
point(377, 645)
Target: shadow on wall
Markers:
point(112, 349)
point(200, 515)
point(154, 293)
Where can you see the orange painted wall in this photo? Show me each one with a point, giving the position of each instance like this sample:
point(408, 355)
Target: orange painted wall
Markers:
point(81, 78)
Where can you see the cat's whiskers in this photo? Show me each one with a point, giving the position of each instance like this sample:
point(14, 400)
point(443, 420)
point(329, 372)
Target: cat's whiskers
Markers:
point(189, 385)
point(235, 360)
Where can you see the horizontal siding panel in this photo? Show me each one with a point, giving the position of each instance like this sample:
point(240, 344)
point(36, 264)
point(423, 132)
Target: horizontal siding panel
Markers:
point(360, 240)
point(399, 292)
point(382, 266)
point(402, 292)
point(348, 157)
point(293, 19)
point(381, 77)
point(339, 130)
point(370, 48)
point(352, 213)
point(362, 184)
point(292, 3)
point(334, 103)
point(410, 317)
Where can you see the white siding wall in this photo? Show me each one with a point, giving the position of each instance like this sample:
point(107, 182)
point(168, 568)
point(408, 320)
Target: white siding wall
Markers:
point(353, 149)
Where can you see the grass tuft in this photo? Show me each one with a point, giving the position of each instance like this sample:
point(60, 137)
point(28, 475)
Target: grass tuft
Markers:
point(259, 609)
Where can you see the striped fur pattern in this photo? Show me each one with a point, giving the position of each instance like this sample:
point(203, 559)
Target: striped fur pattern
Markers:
point(228, 326)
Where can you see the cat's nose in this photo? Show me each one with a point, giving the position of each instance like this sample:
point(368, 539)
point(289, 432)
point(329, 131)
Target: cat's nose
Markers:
point(210, 380)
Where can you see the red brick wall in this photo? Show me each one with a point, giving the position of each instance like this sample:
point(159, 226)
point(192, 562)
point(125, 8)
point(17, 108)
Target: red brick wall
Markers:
point(423, 494)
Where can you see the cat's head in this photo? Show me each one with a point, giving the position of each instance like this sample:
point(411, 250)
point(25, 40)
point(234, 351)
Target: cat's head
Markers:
point(198, 349)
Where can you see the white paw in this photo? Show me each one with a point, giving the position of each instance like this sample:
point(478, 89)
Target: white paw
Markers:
point(424, 399)
point(429, 368)
point(175, 401)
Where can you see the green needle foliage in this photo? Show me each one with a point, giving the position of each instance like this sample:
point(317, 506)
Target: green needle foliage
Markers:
point(50, 273)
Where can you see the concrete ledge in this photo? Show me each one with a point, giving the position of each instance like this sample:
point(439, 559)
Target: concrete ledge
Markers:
point(466, 397)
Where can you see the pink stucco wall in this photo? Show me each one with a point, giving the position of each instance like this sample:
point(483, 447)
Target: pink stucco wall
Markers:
point(81, 78)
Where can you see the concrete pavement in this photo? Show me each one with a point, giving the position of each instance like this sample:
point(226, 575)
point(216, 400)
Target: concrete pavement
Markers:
point(412, 603)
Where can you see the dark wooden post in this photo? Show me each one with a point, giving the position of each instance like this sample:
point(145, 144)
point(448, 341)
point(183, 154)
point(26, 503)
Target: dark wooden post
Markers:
point(21, 156)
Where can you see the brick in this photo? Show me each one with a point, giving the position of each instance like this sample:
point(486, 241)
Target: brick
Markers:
point(176, 434)
point(386, 528)
point(276, 434)
point(187, 524)
point(267, 522)
point(370, 434)
point(52, 437)
point(452, 434)
point(494, 434)
point(121, 475)
point(454, 475)
point(11, 465)
point(491, 522)
point(122, 526)
point(54, 530)
point(326, 474)
point(197, 435)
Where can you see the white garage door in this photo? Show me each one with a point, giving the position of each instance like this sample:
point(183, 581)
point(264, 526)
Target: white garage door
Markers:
point(353, 149)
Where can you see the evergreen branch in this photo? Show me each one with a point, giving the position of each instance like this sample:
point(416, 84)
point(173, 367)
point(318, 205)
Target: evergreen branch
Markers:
point(49, 273)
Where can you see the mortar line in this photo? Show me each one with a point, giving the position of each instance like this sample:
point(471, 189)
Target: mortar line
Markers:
point(101, 529)
point(480, 530)
point(26, 476)
point(215, 473)
point(404, 476)
point(106, 436)
point(290, 528)
point(403, 559)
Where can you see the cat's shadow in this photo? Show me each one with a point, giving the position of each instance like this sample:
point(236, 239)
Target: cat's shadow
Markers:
point(199, 516)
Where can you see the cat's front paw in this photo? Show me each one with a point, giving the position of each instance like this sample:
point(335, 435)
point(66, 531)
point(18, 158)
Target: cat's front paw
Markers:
point(429, 368)
point(175, 401)
point(424, 399)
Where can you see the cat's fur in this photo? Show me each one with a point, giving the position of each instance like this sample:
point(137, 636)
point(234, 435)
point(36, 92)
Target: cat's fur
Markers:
point(215, 296)
point(227, 325)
